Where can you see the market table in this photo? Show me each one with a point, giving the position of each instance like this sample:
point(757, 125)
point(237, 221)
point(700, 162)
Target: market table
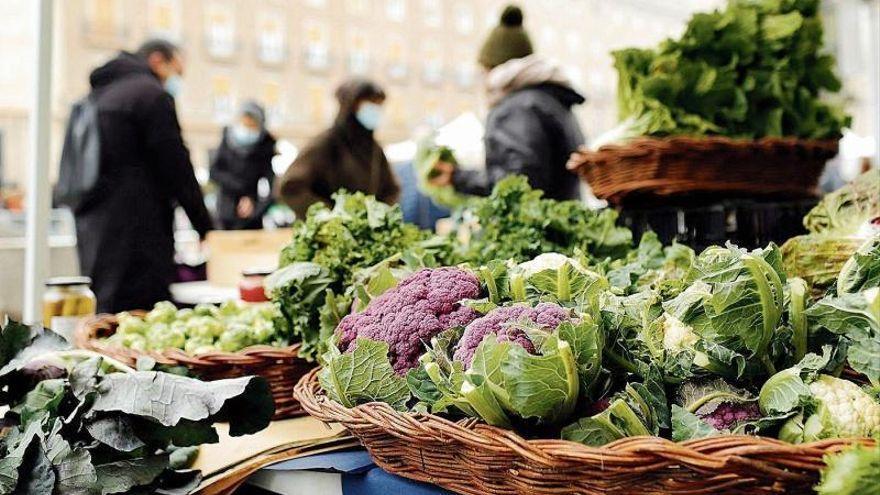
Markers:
point(337, 473)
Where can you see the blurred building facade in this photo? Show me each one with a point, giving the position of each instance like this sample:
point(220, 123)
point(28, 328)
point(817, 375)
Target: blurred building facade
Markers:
point(290, 54)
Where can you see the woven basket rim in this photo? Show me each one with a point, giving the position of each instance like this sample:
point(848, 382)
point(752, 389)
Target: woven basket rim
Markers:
point(829, 145)
point(705, 452)
point(249, 356)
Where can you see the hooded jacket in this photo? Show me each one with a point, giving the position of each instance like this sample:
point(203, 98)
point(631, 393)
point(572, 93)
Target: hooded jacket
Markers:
point(125, 233)
point(530, 129)
point(237, 170)
point(346, 156)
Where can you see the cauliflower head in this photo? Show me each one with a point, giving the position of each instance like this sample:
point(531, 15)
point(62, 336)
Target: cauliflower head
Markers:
point(851, 411)
point(500, 322)
point(406, 317)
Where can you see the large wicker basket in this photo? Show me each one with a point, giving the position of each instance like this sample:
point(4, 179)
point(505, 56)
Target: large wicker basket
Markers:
point(472, 458)
point(280, 366)
point(684, 165)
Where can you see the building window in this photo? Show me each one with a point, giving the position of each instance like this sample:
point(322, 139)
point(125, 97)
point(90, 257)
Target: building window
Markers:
point(163, 19)
point(317, 106)
point(317, 49)
point(222, 99)
point(358, 53)
point(432, 64)
point(105, 19)
point(220, 30)
point(318, 4)
point(432, 13)
point(395, 10)
point(271, 36)
point(464, 18)
point(465, 72)
point(396, 59)
point(272, 99)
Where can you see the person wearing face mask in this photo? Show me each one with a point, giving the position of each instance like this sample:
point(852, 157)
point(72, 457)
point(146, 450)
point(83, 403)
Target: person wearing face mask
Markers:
point(237, 166)
point(125, 224)
point(530, 128)
point(346, 156)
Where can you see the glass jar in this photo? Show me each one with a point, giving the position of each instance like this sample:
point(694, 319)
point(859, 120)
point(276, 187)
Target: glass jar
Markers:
point(250, 288)
point(67, 300)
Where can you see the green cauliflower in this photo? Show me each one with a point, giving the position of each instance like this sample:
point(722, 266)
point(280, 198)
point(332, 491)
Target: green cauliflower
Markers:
point(195, 346)
point(162, 312)
point(162, 336)
point(204, 328)
point(129, 324)
point(236, 337)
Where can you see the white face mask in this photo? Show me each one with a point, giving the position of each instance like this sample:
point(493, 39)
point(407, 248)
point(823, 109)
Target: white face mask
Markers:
point(244, 135)
point(369, 114)
point(173, 84)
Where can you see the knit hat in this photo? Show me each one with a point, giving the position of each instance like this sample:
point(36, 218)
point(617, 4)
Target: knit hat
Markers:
point(507, 41)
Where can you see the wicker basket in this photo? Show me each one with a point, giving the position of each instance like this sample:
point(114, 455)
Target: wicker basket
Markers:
point(280, 366)
point(472, 458)
point(683, 165)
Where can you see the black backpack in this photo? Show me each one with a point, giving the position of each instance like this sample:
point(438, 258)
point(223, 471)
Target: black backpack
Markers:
point(81, 156)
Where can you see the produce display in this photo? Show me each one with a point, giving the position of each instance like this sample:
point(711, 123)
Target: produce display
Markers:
point(316, 284)
point(662, 341)
point(752, 70)
point(838, 225)
point(78, 422)
point(229, 327)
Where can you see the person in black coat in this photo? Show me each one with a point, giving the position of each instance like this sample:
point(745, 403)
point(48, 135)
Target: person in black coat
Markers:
point(242, 160)
point(530, 129)
point(125, 232)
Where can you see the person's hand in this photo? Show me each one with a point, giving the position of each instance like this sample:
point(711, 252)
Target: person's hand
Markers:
point(245, 207)
point(441, 174)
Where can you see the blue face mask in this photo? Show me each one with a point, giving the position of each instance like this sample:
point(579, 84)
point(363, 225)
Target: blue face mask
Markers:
point(243, 135)
point(173, 84)
point(369, 115)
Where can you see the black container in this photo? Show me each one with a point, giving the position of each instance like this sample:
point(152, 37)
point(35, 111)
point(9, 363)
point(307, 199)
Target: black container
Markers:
point(748, 223)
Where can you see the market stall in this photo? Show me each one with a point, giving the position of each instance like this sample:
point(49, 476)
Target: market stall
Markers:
point(536, 346)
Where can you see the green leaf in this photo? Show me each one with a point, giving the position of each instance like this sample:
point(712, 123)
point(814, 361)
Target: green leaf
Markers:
point(363, 375)
point(862, 270)
point(787, 389)
point(775, 27)
point(545, 386)
point(115, 432)
point(687, 425)
point(167, 399)
point(44, 398)
point(123, 475)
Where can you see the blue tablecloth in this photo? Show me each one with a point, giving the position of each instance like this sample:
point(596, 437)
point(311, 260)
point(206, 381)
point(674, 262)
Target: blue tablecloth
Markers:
point(360, 476)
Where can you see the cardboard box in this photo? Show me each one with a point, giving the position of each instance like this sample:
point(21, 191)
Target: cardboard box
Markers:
point(232, 251)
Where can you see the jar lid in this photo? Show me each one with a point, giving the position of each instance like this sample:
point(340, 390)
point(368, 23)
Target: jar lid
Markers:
point(68, 281)
point(256, 272)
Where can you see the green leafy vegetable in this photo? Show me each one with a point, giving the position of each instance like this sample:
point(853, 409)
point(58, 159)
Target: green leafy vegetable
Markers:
point(363, 375)
point(752, 70)
point(852, 471)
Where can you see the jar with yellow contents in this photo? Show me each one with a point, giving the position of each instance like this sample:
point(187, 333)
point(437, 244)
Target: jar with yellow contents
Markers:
point(66, 302)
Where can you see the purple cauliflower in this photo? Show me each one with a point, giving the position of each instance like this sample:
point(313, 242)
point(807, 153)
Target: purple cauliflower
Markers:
point(409, 315)
point(728, 415)
point(499, 322)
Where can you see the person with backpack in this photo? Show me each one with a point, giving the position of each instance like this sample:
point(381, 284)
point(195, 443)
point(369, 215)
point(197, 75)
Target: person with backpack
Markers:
point(124, 169)
point(243, 159)
point(530, 129)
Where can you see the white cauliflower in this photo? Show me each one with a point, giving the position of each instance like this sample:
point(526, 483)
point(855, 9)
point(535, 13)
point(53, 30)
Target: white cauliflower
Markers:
point(851, 411)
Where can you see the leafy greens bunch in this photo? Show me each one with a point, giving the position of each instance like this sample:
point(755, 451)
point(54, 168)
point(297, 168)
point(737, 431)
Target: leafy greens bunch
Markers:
point(79, 423)
point(516, 222)
point(752, 70)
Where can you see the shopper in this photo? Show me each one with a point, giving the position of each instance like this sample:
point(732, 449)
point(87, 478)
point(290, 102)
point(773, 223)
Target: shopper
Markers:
point(125, 227)
point(530, 129)
point(346, 156)
point(237, 166)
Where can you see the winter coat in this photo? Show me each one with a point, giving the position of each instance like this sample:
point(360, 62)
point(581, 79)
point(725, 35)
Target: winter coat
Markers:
point(237, 170)
point(346, 156)
point(530, 130)
point(125, 233)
